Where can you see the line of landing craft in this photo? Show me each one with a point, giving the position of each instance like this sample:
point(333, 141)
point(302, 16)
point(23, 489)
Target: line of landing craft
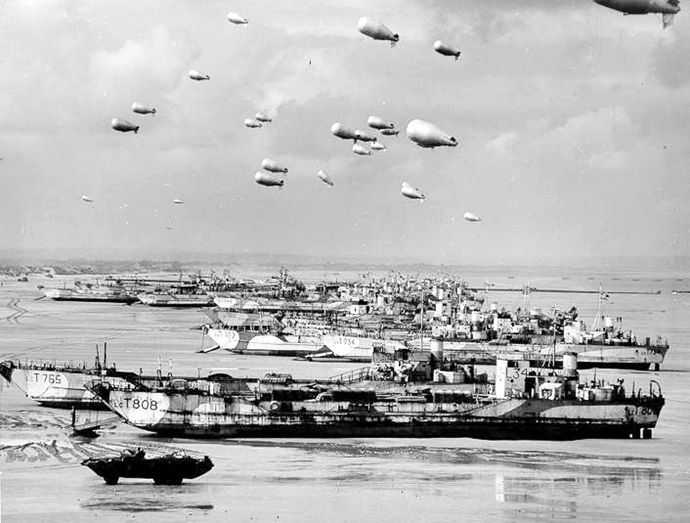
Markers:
point(414, 395)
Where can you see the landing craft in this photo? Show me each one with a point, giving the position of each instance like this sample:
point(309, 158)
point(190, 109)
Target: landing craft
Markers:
point(237, 19)
point(198, 75)
point(378, 146)
point(428, 135)
point(376, 122)
point(668, 8)
point(358, 149)
point(471, 217)
point(325, 178)
point(123, 125)
point(446, 49)
point(343, 132)
point(252, 124)
point(86, 199)
point(143, 109)
point(262, 117)
point(364, 137)
point(376, 30)
point(411, 192)
point(390, 132)
point(273, 166)
point(268, 180)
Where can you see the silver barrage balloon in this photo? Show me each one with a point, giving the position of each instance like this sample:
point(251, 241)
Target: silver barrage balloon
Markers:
point(390, 132)
point(446, 49)
point(667, 8)
point(471, 217)
point(86, 199)
point(427, 135)
point(358, 149)
point(143, 108)
point(378, 146)
point(178, 201)
point(252, 124)
point(376, 30)
point(376, 122)
point(273, 166)
point(237, 19)
point(341, 131)
point(267, 180)
point(411, 192)
point(362, 136)
point(261, 117)
point(123, 125)
point(198, 75)
point(325, 178)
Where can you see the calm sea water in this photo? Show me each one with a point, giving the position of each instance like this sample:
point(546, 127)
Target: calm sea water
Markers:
point(350, 479)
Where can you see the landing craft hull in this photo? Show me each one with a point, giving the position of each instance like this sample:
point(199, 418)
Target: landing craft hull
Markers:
point(632, 357)
point(484, 417)
point(61, 388)
point(91, 296)
point(248, 342)
point(169, 300)
point(357, 348)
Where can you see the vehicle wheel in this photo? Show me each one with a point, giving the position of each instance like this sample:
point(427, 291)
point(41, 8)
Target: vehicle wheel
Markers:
point(111, 480)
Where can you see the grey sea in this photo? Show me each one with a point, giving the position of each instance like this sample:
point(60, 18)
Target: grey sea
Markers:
point(340, 480)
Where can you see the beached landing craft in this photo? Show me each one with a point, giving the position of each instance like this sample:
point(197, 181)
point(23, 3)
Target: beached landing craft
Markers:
point(110, 292)
point(61, 386)
point(244, 341)
point(526, 404)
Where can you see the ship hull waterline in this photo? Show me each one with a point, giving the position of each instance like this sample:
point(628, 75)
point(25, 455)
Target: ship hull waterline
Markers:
point(534, 419)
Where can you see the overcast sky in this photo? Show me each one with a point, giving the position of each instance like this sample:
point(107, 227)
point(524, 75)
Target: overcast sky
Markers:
point(573, 122)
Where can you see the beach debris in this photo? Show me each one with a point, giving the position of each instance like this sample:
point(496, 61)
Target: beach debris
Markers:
point(446, 49)
point(123, 125)
point(427, 135)
point(376, 30)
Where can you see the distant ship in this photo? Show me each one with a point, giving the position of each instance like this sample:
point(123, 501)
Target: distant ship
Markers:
point(108, 293)
point(179, 295)
point(61, 386)
point(264, 343)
